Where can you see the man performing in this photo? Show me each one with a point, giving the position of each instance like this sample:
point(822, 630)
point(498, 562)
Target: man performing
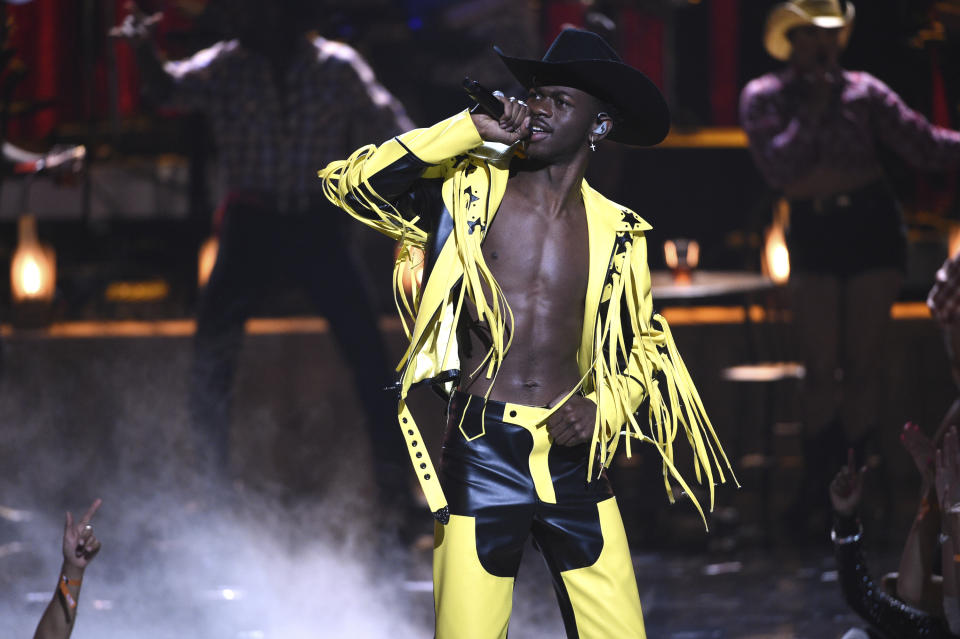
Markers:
point(537, 304)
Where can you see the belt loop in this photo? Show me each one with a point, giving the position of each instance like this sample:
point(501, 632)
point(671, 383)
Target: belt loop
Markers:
point(463, 416)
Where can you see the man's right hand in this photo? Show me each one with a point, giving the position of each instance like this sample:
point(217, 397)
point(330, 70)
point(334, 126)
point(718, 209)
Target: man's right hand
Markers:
point(513, 125)
point(137, 27)
point(820, 89)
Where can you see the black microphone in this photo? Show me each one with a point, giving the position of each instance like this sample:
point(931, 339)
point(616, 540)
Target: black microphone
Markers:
point(484, 97)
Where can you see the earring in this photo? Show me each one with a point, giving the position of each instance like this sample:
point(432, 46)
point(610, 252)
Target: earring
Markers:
point(593, 147)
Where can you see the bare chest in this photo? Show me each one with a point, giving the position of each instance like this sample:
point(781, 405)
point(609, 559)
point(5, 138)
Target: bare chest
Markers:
point(529, 253)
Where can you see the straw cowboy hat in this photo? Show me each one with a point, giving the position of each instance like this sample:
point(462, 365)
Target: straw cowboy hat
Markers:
point(583, 60)
point(785, 16)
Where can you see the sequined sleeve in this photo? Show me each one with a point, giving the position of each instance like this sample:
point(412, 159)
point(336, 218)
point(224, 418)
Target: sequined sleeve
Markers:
point(889, 616)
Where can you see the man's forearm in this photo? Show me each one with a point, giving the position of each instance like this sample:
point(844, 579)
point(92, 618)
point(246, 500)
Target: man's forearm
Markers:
point(157, 83)
point(916, 561)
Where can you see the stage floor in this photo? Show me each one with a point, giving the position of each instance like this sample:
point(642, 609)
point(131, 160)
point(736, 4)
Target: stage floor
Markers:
point(289, 553)
point(260, 576)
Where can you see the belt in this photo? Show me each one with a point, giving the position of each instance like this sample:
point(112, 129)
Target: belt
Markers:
point(529, 417)
point(843, 200)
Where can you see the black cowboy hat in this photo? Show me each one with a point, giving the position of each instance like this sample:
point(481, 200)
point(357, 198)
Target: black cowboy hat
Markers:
point(583, 60)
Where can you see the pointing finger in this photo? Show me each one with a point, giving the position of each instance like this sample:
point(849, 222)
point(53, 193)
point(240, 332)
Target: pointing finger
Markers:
point(94, 507)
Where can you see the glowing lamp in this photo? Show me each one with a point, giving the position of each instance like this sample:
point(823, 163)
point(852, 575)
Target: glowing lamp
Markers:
point(33, 270)
point(33, 277)
point(206, 259)
point(953, 240)
point(681, 256)
point(776, 258)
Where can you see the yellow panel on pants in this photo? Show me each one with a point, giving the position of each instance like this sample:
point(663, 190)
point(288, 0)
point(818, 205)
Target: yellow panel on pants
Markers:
point(604, 596)
point(469, 602)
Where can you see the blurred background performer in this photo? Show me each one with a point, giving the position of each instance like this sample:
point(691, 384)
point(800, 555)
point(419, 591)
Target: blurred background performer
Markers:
point(815, 132)
point(281, 101)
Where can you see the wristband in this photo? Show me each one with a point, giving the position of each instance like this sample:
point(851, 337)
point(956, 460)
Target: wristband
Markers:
point(64, 590)
point(849, 539)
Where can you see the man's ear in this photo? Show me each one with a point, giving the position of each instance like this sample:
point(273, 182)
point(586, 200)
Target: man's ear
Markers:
point(604, 125)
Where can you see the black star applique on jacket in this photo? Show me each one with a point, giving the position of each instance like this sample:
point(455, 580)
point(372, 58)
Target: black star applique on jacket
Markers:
point(473, 198)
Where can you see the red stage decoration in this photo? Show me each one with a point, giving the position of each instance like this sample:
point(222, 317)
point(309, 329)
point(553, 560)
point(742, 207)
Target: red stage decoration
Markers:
point(724, 47)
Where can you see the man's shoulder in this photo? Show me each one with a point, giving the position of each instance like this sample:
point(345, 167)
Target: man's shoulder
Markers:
point(335, 52)
point(765, 85)
point(864, 82)
point(624, 218)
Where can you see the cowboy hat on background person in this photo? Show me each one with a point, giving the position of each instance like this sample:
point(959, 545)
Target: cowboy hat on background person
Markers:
point(784, 17)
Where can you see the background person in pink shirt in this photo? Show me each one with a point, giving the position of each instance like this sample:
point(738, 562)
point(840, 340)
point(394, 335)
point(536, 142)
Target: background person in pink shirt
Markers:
point(815, 132)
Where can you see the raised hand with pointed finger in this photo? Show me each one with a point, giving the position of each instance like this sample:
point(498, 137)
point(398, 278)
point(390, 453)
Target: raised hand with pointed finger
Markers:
point(846, 489)
point(137, 27)
point(80, 545)
point(921, 449)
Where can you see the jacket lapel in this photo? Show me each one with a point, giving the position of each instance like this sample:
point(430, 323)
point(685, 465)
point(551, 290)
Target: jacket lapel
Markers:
point(605, 220)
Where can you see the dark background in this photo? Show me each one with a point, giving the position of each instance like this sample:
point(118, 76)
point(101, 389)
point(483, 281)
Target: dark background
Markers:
point(700, 52)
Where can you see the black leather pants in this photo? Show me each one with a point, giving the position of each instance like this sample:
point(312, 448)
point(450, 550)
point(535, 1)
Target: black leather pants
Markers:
point(505, 481)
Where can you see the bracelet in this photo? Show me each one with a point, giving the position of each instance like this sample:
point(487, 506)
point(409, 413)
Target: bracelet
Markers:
point(849, 539)
point(64, 585)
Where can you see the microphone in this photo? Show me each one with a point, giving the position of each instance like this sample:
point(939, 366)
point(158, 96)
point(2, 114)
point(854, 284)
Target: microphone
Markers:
point(484, 98)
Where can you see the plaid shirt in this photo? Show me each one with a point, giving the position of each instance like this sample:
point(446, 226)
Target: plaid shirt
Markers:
point(787, 142)
point(274, 141)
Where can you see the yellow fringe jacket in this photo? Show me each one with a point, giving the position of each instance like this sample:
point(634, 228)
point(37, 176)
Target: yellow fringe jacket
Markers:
point(432, 191)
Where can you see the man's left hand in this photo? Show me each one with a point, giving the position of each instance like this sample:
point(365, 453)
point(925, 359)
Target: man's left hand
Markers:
point(573, 422)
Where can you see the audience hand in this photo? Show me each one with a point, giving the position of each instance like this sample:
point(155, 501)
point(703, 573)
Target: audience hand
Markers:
point(921, 449)
point(80, 545)
point(137, 27)
point(846, 489)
